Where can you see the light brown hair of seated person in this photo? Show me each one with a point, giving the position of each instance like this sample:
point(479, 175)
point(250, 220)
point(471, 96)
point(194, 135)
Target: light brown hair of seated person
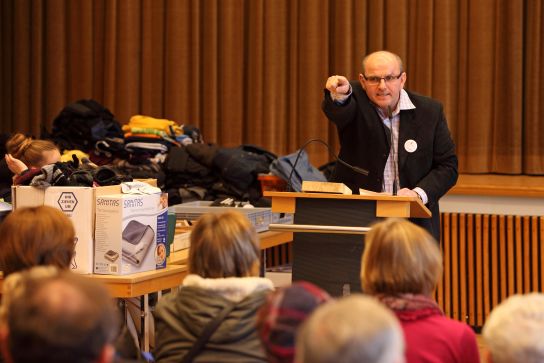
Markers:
point(36, 236)
point(400, 258)
point(33, 153)
point(224, 245)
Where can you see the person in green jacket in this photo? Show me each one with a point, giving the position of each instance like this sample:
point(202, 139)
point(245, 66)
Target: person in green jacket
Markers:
point(223, 278)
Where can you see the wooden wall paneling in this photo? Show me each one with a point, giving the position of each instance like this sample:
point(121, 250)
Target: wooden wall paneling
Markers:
point(494, 246)
point(471, 277)
point(535, 286)
point(455, 266)
point(486, 265)
point(461, 233)
point(446, 240)
point(503, 261)
point(511, 256)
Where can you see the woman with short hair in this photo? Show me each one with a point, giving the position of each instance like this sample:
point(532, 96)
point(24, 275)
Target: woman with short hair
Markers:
point(223, 280)
point(401, 266)
point(35, 236)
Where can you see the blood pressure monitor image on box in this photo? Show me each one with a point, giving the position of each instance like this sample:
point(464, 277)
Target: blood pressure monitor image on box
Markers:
point(111, 256)
point(137, 238)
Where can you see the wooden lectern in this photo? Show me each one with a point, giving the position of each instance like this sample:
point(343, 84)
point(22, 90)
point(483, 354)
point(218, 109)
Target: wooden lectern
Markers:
point(325, 251)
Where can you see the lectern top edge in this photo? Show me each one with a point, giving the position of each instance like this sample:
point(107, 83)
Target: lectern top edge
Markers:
point(417, 208)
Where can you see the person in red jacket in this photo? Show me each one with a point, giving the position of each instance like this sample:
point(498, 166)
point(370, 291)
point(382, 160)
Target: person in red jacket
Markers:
point(401, 266)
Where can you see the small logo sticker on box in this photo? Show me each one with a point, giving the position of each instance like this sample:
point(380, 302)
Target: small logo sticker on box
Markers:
point(67, 201)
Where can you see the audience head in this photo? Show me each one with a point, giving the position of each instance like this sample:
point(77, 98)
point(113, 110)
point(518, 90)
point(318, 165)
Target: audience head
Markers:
point(36, 236)
point(49, 315)
point(279, 318)
point(400, 258)
point(36, 153)
point(224, 245)
point(354, 329)
point(513, 332)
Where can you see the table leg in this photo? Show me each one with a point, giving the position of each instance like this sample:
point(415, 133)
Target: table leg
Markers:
point(144, 319)
point(263, 263)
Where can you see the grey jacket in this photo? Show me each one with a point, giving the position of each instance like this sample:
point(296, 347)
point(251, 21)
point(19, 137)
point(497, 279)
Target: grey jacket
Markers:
point(181, 317)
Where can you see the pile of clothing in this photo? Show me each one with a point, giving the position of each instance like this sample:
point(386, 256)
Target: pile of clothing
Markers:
point(73, 173)
point(175, 154)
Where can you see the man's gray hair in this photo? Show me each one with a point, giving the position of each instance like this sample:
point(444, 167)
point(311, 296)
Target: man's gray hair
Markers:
point(355, 329)
point(514, 330)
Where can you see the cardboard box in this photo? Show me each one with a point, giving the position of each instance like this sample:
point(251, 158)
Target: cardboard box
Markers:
point(78, 204)
point(131, 233)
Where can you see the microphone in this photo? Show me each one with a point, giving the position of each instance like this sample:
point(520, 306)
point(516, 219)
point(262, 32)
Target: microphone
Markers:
point(392, 150)
point(336, 158)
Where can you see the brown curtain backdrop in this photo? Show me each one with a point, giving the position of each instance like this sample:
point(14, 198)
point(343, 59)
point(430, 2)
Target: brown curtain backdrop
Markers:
point(253, 71)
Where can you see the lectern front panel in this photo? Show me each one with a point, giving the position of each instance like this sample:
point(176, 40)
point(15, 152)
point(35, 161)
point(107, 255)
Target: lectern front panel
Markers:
point(331, 261)
point(335, 212)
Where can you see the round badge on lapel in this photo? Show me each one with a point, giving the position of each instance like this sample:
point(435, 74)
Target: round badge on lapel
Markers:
point(410, 145)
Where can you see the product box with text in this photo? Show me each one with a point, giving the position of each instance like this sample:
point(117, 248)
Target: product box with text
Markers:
point(131, 233)
point(78, 204)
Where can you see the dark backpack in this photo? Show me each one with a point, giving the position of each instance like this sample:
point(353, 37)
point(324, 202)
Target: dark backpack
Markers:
point(240, 166)
point(81, 124)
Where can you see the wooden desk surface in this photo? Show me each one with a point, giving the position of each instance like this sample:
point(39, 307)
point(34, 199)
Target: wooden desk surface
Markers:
point(267, 239)
point(141, 283)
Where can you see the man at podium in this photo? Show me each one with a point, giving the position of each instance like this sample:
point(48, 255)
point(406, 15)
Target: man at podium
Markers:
point(401, 138)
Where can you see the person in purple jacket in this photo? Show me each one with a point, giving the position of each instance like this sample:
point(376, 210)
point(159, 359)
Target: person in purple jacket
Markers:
point(401, 266)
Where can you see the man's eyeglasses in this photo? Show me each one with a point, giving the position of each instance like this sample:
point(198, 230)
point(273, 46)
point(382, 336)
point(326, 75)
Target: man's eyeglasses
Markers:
point(374, 80)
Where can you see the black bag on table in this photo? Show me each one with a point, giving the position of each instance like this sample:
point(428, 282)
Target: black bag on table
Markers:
point(81, 124)
point(240, 166)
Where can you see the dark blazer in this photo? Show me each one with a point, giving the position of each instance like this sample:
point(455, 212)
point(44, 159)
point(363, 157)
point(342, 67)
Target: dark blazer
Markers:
point(364, 142)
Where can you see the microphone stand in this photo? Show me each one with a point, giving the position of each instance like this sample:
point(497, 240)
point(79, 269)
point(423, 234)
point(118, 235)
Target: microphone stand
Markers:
point(392, 150)
point(336, 158)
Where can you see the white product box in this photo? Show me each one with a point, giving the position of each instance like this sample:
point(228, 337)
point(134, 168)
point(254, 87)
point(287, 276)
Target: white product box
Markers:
point(78, 204)
point(130, 233)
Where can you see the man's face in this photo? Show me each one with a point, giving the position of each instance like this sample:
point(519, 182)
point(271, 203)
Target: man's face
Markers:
point(383, 93)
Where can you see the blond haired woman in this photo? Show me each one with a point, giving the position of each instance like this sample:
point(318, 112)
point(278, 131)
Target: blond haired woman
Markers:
point(401, 266)
point(212, 316)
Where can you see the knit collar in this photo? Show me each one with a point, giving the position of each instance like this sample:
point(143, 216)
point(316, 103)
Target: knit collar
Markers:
point(231, 288)
point(411, 306)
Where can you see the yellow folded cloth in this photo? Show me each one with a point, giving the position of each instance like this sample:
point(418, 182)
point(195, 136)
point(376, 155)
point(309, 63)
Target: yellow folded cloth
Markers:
point(147, 122)
point(67, 155)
